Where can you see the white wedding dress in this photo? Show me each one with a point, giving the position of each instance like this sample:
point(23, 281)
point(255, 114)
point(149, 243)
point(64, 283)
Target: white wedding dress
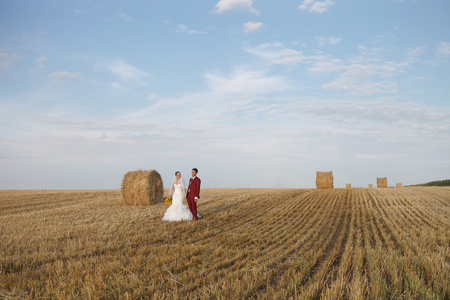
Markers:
point(177, 211)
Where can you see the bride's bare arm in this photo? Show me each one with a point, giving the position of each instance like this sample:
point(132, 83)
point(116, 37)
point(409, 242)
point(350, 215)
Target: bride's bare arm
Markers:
point(173, 189)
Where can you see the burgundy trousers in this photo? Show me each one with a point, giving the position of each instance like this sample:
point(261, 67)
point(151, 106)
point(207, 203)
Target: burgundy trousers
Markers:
point(192, 207)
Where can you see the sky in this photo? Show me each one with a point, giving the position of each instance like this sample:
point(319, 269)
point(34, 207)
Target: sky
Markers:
point(255, 94)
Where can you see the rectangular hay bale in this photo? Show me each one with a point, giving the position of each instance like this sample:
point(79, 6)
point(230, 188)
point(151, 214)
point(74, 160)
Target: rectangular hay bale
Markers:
point(382, 182)
point(324, 180)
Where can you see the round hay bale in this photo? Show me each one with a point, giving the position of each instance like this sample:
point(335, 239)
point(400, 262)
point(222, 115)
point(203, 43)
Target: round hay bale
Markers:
point(348, 186)
point(142, 188)
point(399, 185)
point(382, 182)
point(324, 180)
point(370, 185)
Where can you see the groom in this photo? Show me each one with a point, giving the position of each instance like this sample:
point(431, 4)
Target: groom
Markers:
point(193, 193)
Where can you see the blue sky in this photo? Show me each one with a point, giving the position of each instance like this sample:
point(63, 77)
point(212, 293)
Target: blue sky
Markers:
point(252, 93)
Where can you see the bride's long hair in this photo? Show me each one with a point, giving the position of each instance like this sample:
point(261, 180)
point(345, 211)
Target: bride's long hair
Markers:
point(174, 181)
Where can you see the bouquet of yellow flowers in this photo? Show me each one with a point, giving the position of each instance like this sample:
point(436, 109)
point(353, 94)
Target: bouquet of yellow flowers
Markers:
point(168, 201)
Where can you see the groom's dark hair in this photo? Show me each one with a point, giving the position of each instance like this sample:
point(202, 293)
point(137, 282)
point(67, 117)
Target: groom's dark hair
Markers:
point(195, 169)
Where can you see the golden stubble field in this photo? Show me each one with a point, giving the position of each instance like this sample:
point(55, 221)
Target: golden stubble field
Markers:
point(251, 243)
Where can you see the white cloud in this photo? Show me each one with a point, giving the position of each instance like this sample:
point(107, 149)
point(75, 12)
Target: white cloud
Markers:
point(64, 75)
point(277, 53)
point(250, 27)
point(444, 48)
point(361, 88)
point(314, 6)
point(90, 7)
point(328, 65)
point(246, 82)
point(41, 60)
point(366, 74)
point(125, 17)
point(226, 5)
point(152, 97)
point(184, 29)
point(38, 65)
point(368, 112)
point(127, 76)
point(414, 52)
point(362, 79)
point(91, 129)
point(7, 58)
point(376, 121)
point(366, 70)
point(322, 41)
point(79, 11)
point(125, 71)
point(362, 75)
point(220, 126)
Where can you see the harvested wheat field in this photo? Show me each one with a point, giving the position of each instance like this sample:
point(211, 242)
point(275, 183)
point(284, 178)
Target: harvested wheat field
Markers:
point(251, 243)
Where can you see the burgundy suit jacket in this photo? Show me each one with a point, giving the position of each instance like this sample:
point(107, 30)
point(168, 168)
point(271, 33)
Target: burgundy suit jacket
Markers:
point(194, 189)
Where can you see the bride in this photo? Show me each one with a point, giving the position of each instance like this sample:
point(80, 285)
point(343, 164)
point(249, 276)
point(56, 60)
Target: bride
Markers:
point(177, 211)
